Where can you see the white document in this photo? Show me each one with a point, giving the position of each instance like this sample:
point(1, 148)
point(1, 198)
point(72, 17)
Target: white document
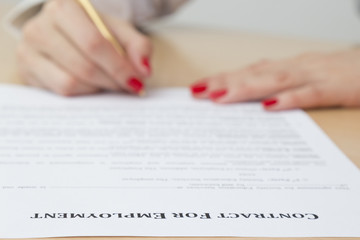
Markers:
point(168, 165)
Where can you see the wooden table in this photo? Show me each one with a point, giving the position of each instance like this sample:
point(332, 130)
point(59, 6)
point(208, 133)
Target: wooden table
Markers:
point(183, 55)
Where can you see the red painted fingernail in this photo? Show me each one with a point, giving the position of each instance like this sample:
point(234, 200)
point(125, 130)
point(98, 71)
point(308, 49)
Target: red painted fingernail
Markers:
point(269, 102)
point(147, 64)
point(198, 88)
point(135, 84)
point(217, 94)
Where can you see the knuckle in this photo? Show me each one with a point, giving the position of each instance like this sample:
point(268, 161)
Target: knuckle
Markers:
point(68, 86)
point(34, 31)
point(316, 93)
point(119, 71)
point(87, 71)
point(259, 65)
point(352, 100)
point(94, 43)
point(283, 78)
point(293, 99)
point(31, 30)
point(52, 8)
point(145, 42)
point(222, 77)
point(245, 90)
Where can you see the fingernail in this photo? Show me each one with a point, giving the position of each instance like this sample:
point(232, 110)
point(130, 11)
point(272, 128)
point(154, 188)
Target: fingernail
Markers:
point(217, 94)
point(269, 102)
point(198, 88)
point(146, 63)
point(135, 84)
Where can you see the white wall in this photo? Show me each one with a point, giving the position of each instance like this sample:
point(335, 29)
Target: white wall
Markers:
point(335, 20)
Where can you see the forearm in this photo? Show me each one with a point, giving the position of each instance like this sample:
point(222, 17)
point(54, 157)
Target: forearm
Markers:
point(135, 11)
point(138, 11)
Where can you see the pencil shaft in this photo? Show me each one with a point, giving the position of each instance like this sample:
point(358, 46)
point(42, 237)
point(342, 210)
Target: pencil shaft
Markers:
point(101, 26)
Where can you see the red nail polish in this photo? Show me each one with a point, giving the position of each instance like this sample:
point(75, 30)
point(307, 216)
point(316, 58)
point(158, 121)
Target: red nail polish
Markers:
point(146, 63)
point(269, 102)
point(198, 88)
point(217, 94)
point(135, 84)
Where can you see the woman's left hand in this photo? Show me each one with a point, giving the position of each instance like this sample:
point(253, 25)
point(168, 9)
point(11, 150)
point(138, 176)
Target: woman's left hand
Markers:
point(307, 81)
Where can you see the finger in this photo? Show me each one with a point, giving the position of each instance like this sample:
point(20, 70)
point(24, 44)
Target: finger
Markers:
point(217, 88)
point(68, 17)
point(309, 96)
point(260, 66)
point(137, 46)
point(25, 62)
point(199, 89)
point(54, 78)
point(213, 88)
point(249, 86)
point(28, 78)
point(73, 61)
point(33, 82)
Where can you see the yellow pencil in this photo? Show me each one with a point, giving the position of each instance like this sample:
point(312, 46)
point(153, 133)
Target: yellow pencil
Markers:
point(103, 29)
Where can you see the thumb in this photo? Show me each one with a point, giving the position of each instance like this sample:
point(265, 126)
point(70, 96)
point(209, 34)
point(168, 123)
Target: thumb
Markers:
point(137, 46)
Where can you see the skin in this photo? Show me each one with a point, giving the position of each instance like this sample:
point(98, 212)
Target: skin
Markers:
point(62, 51)
point(307, 81)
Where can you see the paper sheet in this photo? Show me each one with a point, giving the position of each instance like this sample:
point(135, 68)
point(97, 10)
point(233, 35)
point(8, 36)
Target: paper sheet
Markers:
point(168, 165)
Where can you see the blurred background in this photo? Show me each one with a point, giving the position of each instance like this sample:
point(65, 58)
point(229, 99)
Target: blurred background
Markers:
point(333, 20)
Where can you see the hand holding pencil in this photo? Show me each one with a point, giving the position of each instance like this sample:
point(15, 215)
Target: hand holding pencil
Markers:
point(70, 49)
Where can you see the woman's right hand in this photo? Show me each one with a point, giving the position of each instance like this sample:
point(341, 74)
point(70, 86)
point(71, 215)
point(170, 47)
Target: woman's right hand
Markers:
point(62, 50)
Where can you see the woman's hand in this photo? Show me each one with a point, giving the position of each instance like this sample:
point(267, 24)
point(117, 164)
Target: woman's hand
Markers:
point(63, 51)
point(308, 81)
